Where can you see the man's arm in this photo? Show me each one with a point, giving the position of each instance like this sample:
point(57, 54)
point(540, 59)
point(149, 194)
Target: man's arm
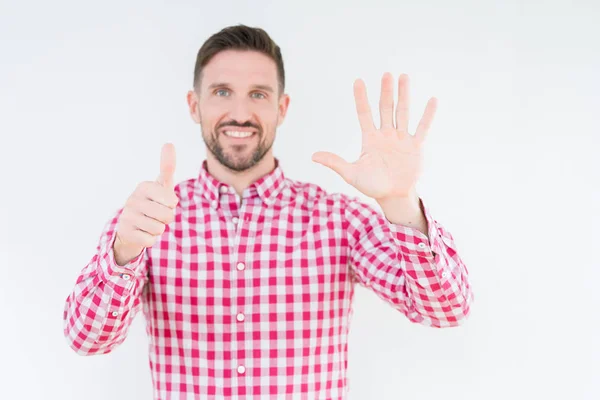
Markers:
point(107, 295)
point(420, 275)
point(105, 300)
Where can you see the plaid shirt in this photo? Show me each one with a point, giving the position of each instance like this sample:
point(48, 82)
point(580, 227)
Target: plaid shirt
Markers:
point(251, 297)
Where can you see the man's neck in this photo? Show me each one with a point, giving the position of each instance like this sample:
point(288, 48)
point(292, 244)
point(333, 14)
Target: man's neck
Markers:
point(240, 180)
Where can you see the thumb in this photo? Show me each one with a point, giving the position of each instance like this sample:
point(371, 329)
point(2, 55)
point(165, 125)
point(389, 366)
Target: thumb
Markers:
point(335, 162)
point(167, 165)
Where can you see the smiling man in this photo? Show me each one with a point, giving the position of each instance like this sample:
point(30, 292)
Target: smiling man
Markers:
point(246, 277)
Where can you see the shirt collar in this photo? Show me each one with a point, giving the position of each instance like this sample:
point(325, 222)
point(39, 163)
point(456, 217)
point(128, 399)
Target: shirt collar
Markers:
point(267, 187)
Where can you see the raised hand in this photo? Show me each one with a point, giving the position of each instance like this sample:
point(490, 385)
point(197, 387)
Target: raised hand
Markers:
point(391, 159)
point(147, 211)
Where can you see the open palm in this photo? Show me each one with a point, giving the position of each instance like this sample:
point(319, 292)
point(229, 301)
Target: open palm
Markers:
point(391, 159)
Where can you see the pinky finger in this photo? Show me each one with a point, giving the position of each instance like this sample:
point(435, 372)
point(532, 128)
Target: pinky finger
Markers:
point(426, 120)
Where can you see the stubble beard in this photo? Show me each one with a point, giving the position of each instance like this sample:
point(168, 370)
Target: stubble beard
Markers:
point(236, 159)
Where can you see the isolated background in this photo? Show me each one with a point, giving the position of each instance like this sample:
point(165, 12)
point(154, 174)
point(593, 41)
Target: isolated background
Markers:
point(90, 92)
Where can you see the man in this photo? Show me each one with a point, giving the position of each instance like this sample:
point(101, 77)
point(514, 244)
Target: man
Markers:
point(246, 277)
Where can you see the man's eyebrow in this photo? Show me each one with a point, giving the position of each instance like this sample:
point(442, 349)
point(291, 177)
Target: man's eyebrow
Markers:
point(266, 88)
point(216, 85)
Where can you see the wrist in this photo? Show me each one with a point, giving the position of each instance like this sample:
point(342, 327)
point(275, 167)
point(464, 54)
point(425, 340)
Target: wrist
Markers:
point(124, 253)
point(406, 211)
point(408, 203)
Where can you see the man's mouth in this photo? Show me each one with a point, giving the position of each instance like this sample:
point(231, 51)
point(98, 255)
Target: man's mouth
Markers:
point(239, 133)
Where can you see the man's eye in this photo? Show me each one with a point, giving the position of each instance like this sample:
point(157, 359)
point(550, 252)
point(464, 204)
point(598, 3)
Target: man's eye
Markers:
point(260, 95)
point(222, 92)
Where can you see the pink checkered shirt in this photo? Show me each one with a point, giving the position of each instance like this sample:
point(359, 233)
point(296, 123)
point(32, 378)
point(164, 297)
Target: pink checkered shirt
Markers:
point(253, 298)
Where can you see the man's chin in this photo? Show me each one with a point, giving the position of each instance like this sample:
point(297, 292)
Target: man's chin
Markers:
point(239, 164)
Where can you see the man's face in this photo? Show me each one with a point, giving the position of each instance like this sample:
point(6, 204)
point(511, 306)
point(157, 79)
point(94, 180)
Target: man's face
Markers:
point(238, 107)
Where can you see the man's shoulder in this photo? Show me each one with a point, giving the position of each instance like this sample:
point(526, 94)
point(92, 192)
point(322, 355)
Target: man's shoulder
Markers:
point(315, 193)
point(310, 190)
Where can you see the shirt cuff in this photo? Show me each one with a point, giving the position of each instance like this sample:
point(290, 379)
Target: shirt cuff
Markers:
point(416, 242)
point(110, 271)
point(432, 266)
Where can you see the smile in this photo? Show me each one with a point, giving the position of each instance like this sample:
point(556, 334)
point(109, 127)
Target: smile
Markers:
point(238, 134)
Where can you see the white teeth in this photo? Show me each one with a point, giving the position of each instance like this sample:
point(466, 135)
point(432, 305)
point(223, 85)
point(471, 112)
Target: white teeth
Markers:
point(238, 134)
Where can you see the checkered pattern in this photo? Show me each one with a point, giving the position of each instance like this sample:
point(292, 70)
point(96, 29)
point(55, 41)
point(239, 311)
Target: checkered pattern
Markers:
point(253, 300)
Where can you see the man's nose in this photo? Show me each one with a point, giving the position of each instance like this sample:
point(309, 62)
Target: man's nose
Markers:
point(240, 111)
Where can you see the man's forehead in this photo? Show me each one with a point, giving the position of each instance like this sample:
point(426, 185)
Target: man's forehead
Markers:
point(240, 67)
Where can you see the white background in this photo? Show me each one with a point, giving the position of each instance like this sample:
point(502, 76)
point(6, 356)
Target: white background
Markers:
point(91, 90)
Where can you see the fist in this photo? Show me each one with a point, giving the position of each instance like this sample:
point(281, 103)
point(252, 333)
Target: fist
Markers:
point(147, 211)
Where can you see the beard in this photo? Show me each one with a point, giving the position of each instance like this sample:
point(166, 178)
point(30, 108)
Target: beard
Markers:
point(237, 157)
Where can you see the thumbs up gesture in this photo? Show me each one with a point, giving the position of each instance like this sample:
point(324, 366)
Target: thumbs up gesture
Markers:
point(147, 211)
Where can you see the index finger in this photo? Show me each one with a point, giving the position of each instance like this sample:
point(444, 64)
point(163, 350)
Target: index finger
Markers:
point(363, 110)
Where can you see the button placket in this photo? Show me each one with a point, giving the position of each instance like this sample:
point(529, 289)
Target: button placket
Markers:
point(239, 282)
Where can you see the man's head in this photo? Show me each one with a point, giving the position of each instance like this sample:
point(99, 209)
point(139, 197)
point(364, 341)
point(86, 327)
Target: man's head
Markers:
point(238, 97)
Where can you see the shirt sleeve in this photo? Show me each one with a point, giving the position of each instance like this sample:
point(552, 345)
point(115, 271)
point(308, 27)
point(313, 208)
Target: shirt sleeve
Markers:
point(422, 277)
point(105, 299)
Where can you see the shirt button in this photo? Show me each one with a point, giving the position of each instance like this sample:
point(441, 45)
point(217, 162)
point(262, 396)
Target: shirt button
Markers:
point(241, 317)
point(444, 274)
point(235, 220)
point(224, 189)
point(115, 314)
point(421, 245)
point(241, 369)
point(126, 277)
point(241, 266)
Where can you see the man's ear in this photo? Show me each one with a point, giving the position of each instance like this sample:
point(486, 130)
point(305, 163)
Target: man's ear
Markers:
point(193, 105)
point(284, 103)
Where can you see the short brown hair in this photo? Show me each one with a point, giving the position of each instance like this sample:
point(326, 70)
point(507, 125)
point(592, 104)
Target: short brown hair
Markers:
point(239, 37)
